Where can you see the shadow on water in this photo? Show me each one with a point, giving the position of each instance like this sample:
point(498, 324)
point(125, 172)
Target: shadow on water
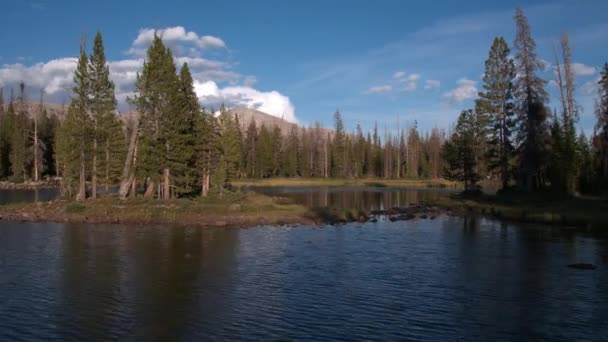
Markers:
point(8, 196)
point(361, 198)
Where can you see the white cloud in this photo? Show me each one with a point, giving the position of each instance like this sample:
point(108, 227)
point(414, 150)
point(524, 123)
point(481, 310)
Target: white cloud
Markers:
point(580, 69)
point(175, 37)
point(56, 76)
point(431, 84)
point(53, 76)
point(272, 102)
point(399, 74)
point(466, 90)
point(379, 89)
point(553, 84)
point(410, 82)
point(545, 65)
point(589, 88)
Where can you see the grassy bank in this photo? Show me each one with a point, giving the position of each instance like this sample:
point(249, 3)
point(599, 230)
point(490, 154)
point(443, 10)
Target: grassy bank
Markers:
point(233, 210)
point(546, 208)
point(330, 182)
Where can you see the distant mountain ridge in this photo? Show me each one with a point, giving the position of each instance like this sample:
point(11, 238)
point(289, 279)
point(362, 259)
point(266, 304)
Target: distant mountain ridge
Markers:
point(245, 115)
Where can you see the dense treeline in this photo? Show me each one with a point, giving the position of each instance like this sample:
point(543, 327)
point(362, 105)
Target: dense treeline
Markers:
point(511, 134)
point(171, 147)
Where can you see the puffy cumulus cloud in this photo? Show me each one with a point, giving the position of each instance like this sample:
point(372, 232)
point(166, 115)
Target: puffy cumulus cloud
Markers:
point(54, 76)
point(379, 89)
point(466, 90)
point(272, 102)
point(432, 84)
point(178, 38)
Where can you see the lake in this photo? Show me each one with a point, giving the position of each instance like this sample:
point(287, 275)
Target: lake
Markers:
point(452, 278)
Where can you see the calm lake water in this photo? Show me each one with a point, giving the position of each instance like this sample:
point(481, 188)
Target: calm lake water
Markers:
point(453, 278)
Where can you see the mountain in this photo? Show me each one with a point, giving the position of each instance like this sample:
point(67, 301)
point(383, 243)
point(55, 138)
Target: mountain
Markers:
point(246, 115)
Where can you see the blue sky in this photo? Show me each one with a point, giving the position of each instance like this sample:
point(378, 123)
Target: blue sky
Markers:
point(384, 61)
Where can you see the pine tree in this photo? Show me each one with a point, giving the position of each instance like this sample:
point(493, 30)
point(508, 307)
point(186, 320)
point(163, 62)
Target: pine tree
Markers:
point(292, 150)
point(156, 96)
point(37, 148)
point(75, 131)
point(413, 152)
point(251, 141)
point(563, 161)
point(530, 99)
point(339, 145)
point(5, 129)
point(601, 127)
point(587, 176)
point(495, 101)
point(181, 133)
point(231, 144)
point(460, 152)
point(104, 124)
point(18, 137)
point(207, 149)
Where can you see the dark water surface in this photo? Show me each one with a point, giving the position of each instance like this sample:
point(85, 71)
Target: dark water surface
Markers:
point(26, 195)
point(447, 279)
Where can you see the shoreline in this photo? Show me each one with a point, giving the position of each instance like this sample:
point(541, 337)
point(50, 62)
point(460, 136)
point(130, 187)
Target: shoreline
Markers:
point(346, 182)
point(245, 210)
point(534, 208)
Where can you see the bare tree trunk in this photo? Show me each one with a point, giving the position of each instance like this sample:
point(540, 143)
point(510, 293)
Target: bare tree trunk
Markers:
point(94, 171)
point(127, 177)
point(107, 187)
point(133, 186)
point(36, 144)
point(206, 182)
point(82, 181)
point(166, 187)
point(149, 190)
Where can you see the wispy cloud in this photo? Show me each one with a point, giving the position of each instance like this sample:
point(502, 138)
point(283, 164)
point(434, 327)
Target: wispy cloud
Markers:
point(382, 89)
point(431, 84)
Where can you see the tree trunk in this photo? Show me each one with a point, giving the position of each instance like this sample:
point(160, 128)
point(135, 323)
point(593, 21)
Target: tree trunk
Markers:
point(127, 177)
point(107, 187)
point(81, 195)
point(166, 187)
point(94, 171)
point(205, 183)
point(149, 190)
point(35, 148)
point(133, 186)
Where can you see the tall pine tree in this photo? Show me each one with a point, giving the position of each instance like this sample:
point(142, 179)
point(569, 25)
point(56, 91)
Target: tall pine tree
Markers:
point(495, 101)
point(530, 99)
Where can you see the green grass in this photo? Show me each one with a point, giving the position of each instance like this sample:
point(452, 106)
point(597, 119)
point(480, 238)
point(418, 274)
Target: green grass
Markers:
point(231, 209)
point(547, 208)
point(330, 182)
